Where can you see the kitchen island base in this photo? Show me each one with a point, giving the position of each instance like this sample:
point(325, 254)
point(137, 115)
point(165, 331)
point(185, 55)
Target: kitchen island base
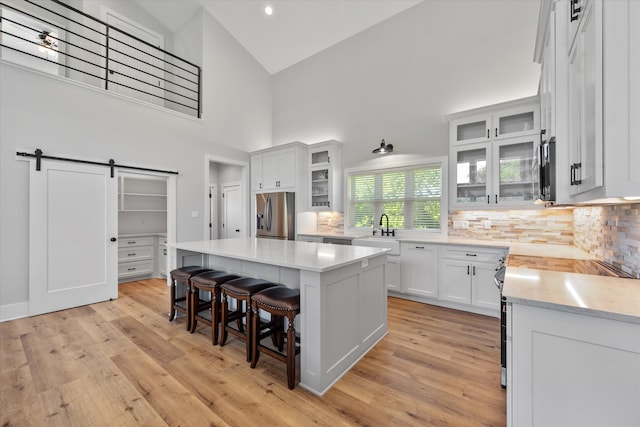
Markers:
point(343, 307)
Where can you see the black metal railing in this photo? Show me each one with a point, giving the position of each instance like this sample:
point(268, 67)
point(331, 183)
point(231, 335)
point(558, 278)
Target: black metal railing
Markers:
point(59, 39)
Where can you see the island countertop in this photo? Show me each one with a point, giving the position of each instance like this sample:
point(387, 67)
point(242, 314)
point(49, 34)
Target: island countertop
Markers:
point(309, 256)
point(600, 296)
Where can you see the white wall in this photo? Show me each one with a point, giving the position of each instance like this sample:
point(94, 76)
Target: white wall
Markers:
point(70, 120)
point(398, 79)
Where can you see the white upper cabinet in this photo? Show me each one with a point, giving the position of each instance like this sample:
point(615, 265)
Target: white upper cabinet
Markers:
point(325, 173)
point(590, 51)
point(498, 169)
point(585, 101)
point(275, 170)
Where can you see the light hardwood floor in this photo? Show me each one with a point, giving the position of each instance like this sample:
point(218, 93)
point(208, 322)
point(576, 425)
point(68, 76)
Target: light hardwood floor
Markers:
point(123, 363)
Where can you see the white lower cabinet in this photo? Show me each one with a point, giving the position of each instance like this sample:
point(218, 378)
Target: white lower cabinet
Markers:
point(392, 273)
point(162, 256)
point(466, 276)
point(454, 276)
point(136, 257)
point(569, 369)
point(419, 264)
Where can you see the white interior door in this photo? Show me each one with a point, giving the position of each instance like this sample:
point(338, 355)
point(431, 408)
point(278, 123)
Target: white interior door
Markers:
point(232, 219)
point(72, 219)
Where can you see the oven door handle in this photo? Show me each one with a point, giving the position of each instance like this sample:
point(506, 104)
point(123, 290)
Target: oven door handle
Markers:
point(498, 279)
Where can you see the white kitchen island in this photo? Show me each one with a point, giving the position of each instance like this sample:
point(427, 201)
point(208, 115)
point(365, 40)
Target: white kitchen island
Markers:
point(343, 298)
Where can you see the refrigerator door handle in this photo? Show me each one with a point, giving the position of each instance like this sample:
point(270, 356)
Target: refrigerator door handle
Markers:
point(267, 214)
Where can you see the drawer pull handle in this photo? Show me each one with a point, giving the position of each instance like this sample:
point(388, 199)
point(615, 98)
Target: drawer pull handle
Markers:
point(131, 254)
point(131, 269)
point(131, 243)
point(419, 247)
point(471, 254)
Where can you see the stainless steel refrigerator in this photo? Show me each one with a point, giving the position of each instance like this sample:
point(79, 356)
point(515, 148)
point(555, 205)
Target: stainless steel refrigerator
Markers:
point(276, 215)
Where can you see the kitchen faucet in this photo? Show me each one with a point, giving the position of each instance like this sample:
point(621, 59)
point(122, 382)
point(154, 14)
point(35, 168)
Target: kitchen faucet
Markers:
point(387, 233)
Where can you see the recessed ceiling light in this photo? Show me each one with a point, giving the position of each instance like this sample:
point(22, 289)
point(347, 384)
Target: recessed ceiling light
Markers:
point(268, 10)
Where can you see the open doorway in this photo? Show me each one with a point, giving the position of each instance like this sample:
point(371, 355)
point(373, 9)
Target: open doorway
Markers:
point(226, 200)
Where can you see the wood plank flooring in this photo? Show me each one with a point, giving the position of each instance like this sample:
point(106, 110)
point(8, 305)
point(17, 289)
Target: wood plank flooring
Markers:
point(122, 363)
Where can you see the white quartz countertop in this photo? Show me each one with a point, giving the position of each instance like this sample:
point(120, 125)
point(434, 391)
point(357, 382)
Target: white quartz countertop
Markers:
point(601, 296)
point(309, 256)
point(516, 248)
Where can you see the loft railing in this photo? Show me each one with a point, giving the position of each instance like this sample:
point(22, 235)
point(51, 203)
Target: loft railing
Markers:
point(56, 38)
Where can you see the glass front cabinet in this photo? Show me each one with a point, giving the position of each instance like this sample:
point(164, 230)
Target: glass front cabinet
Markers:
point(493, 156)
point(325, 176)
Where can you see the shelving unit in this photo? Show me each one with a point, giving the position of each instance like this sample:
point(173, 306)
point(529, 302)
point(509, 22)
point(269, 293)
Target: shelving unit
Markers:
point(136, 194)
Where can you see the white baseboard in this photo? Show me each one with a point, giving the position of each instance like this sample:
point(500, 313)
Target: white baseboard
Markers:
point(14, 311)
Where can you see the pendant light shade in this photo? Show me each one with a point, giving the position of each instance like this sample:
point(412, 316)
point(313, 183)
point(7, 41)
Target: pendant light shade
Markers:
point(384, 148)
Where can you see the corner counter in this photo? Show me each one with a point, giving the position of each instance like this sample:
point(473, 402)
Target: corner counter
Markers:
point(343, 298)
point(573, 349)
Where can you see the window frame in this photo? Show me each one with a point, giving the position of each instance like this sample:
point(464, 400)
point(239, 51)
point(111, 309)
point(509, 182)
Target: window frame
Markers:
point(386, 164)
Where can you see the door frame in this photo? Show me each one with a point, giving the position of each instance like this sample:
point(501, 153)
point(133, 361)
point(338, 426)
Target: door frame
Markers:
point(244, 191)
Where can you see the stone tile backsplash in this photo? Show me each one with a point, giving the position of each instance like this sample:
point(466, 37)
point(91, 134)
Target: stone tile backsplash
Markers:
point(553, 226)
point(611, 234)
point(330, 222)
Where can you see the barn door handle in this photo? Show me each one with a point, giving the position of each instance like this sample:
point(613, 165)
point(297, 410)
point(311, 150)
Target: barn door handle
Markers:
point(113, 239)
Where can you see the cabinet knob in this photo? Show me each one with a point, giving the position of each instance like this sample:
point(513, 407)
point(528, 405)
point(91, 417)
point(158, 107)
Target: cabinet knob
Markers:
point(113, 239)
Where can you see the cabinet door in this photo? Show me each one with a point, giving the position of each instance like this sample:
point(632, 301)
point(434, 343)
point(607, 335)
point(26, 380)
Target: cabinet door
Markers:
point(455, 281)
point(286, 169)
point(517, 121)
point(270, 166)
point(320, 157)
point(392, 273)
point(321, 187)
point(484, 292)
point(471, 130)
point(585, 102)
point(515, 171)
point(256, 173)
point(472, 179)
point(420, 269)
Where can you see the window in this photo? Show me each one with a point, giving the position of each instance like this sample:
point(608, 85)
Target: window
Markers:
point(411, 197)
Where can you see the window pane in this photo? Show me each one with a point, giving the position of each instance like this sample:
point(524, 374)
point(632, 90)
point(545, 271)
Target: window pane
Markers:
point(426, 215)
point(410, 197)
point(395, 212)
point(427, 182)
point(362, 215)
point(393, 185)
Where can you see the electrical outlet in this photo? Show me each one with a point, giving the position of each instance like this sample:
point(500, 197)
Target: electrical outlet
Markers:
point(460, 224)
point(487, 224)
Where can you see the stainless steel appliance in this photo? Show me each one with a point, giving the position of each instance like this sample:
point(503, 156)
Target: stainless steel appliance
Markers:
point(499, 281)
point(275, 215)
point(547, 171)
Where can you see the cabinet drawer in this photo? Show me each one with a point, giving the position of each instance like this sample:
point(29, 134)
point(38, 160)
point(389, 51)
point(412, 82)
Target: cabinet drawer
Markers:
point(125, 242)
point(135, 268)
point(135, 253)
point(474, 254)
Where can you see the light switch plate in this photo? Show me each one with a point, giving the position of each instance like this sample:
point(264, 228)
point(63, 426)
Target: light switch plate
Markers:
point(194, 214)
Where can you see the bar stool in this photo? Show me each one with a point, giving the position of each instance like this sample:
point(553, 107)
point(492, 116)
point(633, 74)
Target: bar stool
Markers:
point(242, 290)
point(279, 302)
point(208, 312)
point(181, 304)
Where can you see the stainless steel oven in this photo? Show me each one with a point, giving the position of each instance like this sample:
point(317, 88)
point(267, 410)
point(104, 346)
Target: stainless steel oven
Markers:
point(499, 281)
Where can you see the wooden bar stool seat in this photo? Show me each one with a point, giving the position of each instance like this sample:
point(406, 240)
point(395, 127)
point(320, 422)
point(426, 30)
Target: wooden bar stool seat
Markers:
point(280, 303)
point(181, 276)
point(208, 312)
point(241, 290)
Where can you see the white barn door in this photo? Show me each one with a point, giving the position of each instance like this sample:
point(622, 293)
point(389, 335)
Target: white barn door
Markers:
point(73, 219)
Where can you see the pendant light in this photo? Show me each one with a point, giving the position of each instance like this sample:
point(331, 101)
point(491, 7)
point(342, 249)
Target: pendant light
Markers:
point(384, 148)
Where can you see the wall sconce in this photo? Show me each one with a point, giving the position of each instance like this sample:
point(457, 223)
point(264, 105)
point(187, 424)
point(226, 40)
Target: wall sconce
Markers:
point(384, 148)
